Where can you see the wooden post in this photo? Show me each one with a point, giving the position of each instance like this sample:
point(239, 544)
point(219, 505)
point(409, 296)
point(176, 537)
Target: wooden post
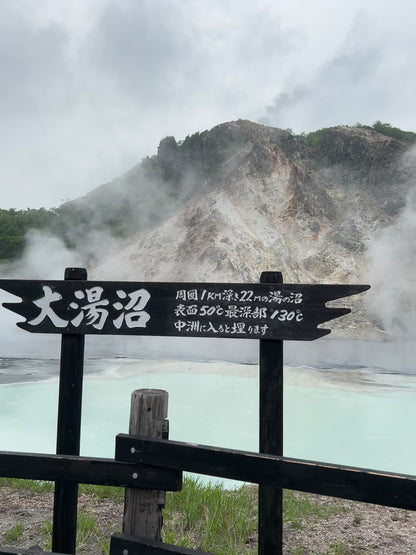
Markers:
point(143, 508)
point(270, 525)
point(64, 531)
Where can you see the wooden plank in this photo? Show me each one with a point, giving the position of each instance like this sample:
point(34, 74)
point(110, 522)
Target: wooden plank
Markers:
point(370, 486)
point(232, 310)
point(65, 506)
point(143, 508)
point(87, 470)
point(122, 544)
point(270, 523)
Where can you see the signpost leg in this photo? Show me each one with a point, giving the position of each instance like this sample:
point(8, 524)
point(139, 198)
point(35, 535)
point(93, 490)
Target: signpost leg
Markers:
point(68, 431)
point(271, 435)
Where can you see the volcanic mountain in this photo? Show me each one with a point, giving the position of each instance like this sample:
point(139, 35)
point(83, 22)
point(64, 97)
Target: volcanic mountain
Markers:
point(228, 203)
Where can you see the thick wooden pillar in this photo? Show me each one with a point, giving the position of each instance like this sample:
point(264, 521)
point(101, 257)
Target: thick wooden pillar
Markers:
point(143, 508)
point(271, 435)
point(68, 431)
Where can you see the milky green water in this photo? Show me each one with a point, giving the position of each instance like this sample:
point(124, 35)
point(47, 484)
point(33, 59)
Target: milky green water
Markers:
point(356, 419)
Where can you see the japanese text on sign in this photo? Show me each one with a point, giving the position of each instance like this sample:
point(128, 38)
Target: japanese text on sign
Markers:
point(245, 295)
point(225, 316)
point(93, 309)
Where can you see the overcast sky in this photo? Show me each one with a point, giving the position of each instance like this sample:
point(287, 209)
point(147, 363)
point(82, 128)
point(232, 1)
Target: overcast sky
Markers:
point(90, 87)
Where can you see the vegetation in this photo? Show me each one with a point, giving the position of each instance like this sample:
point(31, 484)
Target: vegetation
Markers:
point(394, 132)
point(14, 225)
point(298, 509)
point(14, 533)
point(314, 138)
point(204, 517)
point(211, 519)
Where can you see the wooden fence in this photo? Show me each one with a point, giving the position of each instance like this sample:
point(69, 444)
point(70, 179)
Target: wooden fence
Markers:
point(146, 462)
point(147, 466)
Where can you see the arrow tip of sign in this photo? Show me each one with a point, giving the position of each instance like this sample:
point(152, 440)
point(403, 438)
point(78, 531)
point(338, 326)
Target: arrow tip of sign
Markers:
point(363, 287)
point(332, 313)
point(17, 308)
point(322, 332)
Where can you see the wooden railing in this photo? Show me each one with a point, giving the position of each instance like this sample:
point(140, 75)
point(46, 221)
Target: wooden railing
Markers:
point(144, 464)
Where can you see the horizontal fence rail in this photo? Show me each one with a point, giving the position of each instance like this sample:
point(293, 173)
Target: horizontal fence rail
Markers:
point(122, 544)
point(370, 486)
point(88, 470)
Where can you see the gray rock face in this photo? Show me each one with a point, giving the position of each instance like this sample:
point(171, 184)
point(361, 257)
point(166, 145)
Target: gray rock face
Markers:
point(259, 198)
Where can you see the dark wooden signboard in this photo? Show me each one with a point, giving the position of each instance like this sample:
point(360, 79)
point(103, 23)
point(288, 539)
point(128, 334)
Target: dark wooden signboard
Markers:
point(246, 311)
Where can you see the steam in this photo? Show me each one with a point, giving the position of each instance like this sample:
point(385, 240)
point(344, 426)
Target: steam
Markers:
point(391, 261)
point(44, 257)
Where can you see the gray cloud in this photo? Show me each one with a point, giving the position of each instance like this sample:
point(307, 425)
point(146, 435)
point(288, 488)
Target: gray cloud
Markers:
point(171, 54)
point(90, 88)
point(284, 103)
point(335, 95)
point(364, 79)
point(138, 46)
point(32, 63)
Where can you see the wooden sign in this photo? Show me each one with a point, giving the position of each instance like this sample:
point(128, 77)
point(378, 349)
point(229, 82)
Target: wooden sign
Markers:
point(246, 311)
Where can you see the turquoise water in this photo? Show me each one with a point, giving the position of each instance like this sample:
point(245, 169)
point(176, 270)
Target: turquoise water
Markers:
point(369, 430)
point(351, 418)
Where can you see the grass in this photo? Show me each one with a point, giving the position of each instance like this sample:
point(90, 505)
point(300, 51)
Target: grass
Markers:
point(41, 486)
point(209, 518)
point(102, 492)
point(204, 517)
point(339, 547)
point(14, 533)
point(88, 533)
point(299, 509)
point(358, 518)
point(37, 486)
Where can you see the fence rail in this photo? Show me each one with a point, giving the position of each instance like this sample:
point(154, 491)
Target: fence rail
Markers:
point(357, 484)
point(88, 470)
point(132, 545)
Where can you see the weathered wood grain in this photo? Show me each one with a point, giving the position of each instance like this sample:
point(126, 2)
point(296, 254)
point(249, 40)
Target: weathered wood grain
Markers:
point(143, 508)
point(68, 438)
point(357, 484)
point(123, 544)
point(87, 470)
point(270, 523)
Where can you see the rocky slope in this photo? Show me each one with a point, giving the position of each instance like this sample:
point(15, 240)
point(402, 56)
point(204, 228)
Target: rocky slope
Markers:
point(268, 200)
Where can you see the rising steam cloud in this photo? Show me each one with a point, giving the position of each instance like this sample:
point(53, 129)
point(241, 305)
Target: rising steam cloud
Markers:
point(44, 257)
point(391, 260)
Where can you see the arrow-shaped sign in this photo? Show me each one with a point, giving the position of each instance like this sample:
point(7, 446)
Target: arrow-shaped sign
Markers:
point(233, 310)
